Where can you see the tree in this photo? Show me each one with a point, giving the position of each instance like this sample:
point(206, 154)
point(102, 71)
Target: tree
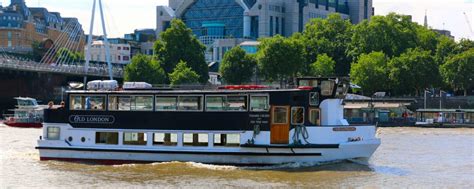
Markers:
point(64, 55)
point(370, 72)
point(459, 71)
point(38, 51)
point(414, 70)
point(178, 43)
point(280, 58)
point(146, 69)
point(445, 49)
point(237, 66)
point(392, 34)
point(183, 74)
point(329, 36)
point(324, 66)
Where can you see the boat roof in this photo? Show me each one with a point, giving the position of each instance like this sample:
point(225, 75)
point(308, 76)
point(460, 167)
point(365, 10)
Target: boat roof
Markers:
point(181, 91)
point(23, 98)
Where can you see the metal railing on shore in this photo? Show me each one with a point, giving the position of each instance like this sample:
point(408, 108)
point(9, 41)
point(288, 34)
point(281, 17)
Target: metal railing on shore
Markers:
point(72, 69)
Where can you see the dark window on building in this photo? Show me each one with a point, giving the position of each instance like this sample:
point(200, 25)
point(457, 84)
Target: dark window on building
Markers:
point(366, 9)
point(327, 4)
point(254, 27)
point(277, 24)
point(271, 25)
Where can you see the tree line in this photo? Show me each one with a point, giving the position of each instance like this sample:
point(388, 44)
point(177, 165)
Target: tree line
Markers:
point(388, 53)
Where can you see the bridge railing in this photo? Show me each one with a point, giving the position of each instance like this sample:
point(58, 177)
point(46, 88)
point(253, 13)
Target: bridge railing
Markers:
point(74, 69)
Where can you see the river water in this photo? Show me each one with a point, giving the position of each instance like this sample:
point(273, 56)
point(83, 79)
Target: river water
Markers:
point(408, 157)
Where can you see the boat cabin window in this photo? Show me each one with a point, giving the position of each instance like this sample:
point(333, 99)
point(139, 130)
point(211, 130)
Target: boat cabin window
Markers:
point(226, 103)
point(131, 103)
point(106, 138)
point(195, 139)
point(53, 133)
point(327, 87)
point(308, 83)
point(166, 103)
point(314, 99)
point(314, 116)
point(166, 139)
point(190, 103)
point(87, 102)
point(130, 138)
point(228, 140)
point(297, 115)
point(259, 103)
point(280, 115)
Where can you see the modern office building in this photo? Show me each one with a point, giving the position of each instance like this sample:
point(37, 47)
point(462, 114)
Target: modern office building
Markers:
point(21, 26)
point(214, 20)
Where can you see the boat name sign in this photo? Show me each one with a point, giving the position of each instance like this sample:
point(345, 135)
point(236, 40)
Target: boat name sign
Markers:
point(92, 119)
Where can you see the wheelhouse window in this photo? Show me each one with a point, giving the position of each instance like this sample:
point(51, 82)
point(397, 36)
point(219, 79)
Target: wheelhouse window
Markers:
point(195, 139)
point(280, 115)
point(53, 133)
point(166, 139)
point(131, 103)
point(227, 140)
point(314, 99)
point(130, 138)
point(87, 102)
point(226, 103)
point(297, 115)
point(314, 116)
point(189, 103)
point(166, 103)
point(327, 88)
point(106, 138)
point(259, 103)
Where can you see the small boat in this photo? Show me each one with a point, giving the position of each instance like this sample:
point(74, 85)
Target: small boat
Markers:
point(238, 125)
point(28, 114)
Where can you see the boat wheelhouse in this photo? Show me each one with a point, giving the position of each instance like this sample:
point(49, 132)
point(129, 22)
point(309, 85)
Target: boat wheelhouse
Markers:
point(257, 127)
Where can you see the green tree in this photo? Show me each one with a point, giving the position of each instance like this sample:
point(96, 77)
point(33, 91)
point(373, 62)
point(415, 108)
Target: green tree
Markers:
point(392, 34)
point(445, 49)
point(370, 72)
point(414, 71)
point(280, 58)
point(146, 69)
point(329, 36)
point(183, 74)
point(324, 66)
point(38, 51)
point(459, 71)
point(66, 56)
point(237, 66)
point(178, 43)
point(464, 45)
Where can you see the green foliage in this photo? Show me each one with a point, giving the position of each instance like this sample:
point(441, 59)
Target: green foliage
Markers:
point(64, 55)
point(177, 44)
point(183, 74)
point(146, 69)
point(329, 36)
point(392, 34)
point(445, 49)
point(414, 71)
point(237, 66)
point(459, 70)
point(323, 67)
point(370, 72)
point(280, 58)
point(38, 51)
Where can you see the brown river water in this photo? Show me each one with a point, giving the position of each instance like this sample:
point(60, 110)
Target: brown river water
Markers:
point(407, 158)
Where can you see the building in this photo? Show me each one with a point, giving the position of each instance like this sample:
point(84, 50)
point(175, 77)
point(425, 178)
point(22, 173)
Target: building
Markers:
point(119, 52)
point(214, 20)
point(21, 26)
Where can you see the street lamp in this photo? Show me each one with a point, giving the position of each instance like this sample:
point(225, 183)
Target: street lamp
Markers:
point(441, 97)
point(426, 91)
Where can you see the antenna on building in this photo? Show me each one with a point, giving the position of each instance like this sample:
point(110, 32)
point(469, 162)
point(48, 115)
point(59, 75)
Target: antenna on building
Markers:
point(89, 42)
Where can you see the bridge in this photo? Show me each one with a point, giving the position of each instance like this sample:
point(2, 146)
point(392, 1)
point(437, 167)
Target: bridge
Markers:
point(74, 69)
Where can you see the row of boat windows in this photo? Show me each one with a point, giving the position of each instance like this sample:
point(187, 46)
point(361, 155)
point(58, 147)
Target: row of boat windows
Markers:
point(281, 115)
point(170, 103)
point(164, 139)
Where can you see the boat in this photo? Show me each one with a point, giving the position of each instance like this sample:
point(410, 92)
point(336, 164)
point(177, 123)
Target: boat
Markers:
point(231, 126)
point(27, 114)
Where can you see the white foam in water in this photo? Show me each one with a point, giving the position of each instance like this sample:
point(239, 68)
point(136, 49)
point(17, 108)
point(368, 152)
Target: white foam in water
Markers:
point(212, 167)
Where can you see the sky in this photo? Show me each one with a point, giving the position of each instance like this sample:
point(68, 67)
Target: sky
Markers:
point(124, 16)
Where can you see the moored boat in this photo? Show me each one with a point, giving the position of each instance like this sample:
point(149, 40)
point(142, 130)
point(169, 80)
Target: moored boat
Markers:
point(27, 114)
point(234, 125)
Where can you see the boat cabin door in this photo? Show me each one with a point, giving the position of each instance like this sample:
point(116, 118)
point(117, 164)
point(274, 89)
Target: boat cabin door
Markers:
point(280, 125)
